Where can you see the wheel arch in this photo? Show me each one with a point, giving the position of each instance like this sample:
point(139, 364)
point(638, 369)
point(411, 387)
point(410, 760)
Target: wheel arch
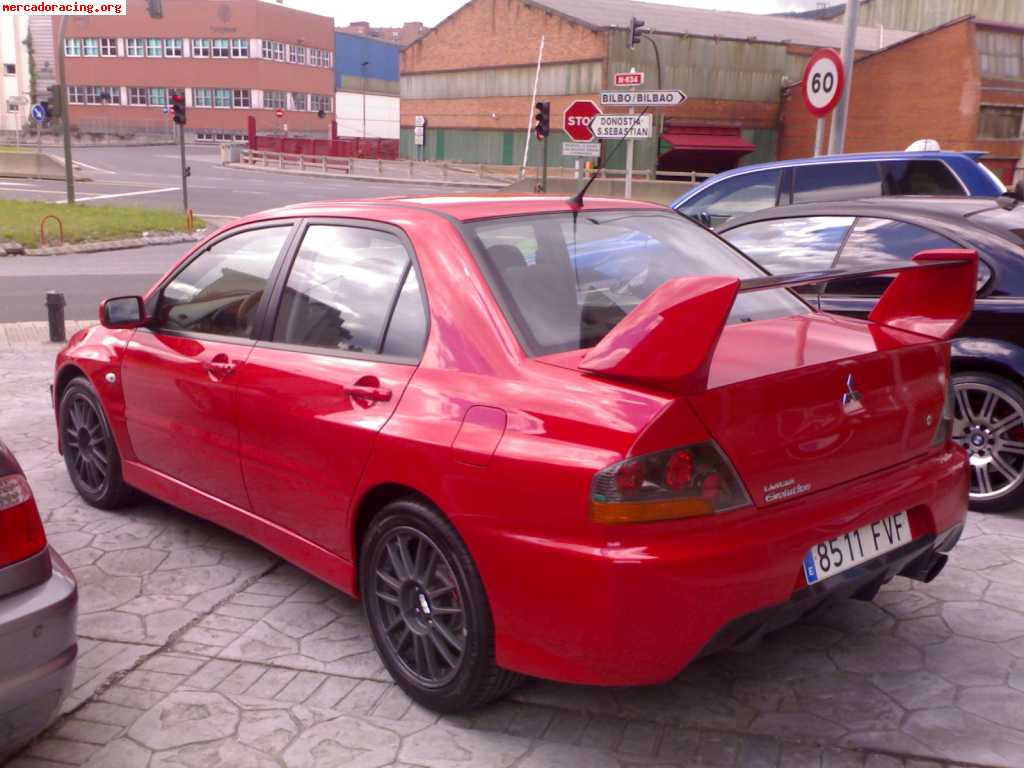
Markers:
point(988, 356)
point(64, 377)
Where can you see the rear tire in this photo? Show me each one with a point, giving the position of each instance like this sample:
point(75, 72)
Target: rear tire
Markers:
point(90, 453)
point(428, 611)
point(989, 425)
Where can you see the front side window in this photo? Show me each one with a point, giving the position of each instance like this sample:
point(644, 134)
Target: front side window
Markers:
point(745, 193)
point(787, 246)
point(589, 271)
point(879, 243)
point(836, 181)
point(201, 47)
point(341, 290)
point(240, 49)
point(241, 98)
point(221, 49)
point(135, 47)
point(919, 177)
point(154, 47)
point(220, 290)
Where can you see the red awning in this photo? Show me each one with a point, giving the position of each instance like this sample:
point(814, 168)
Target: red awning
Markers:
point(708, 142)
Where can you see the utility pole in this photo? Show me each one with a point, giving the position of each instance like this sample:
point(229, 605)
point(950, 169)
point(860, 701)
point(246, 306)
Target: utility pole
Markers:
point(363, 78)
point(837, 137)
point(65, 113)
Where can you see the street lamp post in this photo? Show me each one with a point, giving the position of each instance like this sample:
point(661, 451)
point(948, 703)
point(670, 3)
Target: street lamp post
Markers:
point(362, 68)
point(65, 112)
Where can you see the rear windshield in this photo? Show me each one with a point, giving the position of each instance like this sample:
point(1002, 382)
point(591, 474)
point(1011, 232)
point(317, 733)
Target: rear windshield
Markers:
point(565, 280)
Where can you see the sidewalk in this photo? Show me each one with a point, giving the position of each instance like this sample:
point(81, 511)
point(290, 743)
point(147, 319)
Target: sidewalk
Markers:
point(36, 333)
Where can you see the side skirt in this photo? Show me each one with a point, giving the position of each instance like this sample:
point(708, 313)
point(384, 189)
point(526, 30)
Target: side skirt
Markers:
point(301, 553)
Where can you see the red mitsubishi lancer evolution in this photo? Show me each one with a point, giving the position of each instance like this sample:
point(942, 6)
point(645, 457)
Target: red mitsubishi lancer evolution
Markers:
point(586, 441)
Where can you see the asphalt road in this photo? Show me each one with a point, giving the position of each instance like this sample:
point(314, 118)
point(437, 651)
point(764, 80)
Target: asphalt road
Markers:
point(150, 177)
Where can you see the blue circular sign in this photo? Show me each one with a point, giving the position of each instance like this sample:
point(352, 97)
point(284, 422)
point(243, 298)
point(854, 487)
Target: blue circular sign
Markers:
point(39, 113)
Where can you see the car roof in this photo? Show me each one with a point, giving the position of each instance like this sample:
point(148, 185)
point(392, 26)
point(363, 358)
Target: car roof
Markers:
point(461, 207)
point(940, 154)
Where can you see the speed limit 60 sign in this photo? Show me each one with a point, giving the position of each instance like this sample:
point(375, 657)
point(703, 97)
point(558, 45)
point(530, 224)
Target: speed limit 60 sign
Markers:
point(823, 82)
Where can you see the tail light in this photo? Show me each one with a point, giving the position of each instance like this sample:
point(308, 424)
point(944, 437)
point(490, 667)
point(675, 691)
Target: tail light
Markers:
point(21, 531)
point(691, 481)
point(944, 429)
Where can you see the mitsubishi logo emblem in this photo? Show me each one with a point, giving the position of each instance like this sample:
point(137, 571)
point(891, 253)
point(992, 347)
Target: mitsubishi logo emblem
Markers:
point(851, 395)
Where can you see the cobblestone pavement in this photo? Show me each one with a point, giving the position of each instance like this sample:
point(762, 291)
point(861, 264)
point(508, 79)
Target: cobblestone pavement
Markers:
point(200, 649)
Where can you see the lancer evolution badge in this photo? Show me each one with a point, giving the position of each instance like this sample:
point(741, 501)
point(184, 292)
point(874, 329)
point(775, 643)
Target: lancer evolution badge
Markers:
point(851, 395)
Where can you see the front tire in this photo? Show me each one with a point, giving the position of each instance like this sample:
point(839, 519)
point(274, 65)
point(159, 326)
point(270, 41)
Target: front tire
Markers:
point(90, 453)
point(427, 610)
point(989, 424)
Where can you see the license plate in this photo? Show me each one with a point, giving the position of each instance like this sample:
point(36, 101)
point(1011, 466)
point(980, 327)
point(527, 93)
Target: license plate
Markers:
point(851, 549)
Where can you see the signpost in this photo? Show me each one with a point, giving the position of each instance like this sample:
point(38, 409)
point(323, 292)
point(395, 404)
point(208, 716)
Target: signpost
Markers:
point(642, 98)
point(623, 126)
point(822, 88)
point(419, 135)
point(629, 78)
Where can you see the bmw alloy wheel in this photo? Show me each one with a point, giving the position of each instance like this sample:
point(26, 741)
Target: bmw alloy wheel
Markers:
point(989, 425)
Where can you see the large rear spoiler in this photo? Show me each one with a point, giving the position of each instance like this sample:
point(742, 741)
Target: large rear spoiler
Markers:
point(669, 339)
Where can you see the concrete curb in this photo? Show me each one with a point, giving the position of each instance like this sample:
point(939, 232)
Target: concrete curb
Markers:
point(354, 177)
point(36, 333)
point(111, 245)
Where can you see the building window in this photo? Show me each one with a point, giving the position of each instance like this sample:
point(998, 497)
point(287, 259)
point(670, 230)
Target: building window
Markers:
point(240, 49)
point(299, 101)
point(108, 46)
point(201, 47)
point(297, 54)
point(318, 102)
point(135, 46)
point(154, 47)
point(222, 98)
point(1001, 54)
point(202, 97)
point(275, 100)
point(221, 49)
point(72, 46)
point(319, 57)
point(272, 50)
point(242, 98)
point(173, 47)
point(10, 69)
point(90, 46)
point(12, 106)
point(1000, 122)
point(137, 97)
point(93, 94)
point(157, 97)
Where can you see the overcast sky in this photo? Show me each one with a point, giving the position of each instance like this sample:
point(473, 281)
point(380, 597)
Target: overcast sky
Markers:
point(391, 13)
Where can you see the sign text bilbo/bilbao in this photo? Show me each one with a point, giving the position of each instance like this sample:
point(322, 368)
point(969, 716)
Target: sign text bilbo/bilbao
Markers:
point(642, 98)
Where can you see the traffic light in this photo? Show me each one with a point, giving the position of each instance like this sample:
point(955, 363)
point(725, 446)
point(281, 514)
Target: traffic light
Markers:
point(54, 103)
point(178, 106)
point(543, 119)
point(636, 29)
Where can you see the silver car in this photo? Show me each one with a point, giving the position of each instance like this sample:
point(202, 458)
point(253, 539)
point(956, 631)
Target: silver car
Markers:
point(38, 611)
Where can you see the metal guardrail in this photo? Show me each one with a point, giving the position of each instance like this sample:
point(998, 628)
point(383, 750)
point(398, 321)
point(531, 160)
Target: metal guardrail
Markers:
point(283, 160)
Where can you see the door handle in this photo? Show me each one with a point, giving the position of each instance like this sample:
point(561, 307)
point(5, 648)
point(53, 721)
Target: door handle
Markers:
point(219, 366)
point(367, 392)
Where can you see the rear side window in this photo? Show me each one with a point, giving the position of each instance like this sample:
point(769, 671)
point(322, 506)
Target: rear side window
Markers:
point(836, 181)
point(343, 288)
point(919, 177)
point(784, 246)
point(746, 193)
point(880, 242)
point(220, 290)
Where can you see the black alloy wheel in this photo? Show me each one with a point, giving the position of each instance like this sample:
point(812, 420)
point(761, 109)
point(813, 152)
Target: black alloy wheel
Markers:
point(427, 609)
point(90, 453)
point(989, 424)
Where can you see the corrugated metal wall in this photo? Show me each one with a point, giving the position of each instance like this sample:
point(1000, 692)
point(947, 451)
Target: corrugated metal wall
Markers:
point(919, 15)
point(707, 68)
point(555, 80)
point(492, 147)
point(350, 51)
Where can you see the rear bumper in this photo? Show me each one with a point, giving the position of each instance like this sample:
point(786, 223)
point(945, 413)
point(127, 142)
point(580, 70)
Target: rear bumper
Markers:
point(640, 608)
point(38, 646)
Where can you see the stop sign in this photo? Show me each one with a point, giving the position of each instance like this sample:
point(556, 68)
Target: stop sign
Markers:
point(576, 120)
point(279, 113)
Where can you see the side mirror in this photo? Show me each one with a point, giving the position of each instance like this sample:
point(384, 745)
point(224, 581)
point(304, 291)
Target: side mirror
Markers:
point(1012, 197)
point(704, 218)
point(123, 312)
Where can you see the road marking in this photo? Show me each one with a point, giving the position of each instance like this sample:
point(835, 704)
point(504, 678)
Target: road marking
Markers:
point(84, 165)
point(124, 194)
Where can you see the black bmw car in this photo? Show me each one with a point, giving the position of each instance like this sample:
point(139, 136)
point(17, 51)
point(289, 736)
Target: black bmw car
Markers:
point(988, 354)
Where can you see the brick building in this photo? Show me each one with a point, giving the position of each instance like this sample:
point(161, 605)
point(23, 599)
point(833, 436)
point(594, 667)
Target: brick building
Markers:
point(961, 84)
point(472, 76)
point(233, 58)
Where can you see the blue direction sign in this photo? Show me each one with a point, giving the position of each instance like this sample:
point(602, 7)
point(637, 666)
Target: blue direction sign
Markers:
point(39, 113)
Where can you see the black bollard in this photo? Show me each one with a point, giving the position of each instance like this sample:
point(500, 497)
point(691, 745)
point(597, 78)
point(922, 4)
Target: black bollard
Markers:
point(55, 315)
